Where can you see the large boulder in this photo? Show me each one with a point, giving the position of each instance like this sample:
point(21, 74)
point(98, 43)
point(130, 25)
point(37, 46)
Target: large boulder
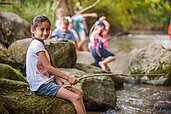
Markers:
point(98, 87)
point(18, 99)
point(154, 59)
point(12, 28)
point(62, 52)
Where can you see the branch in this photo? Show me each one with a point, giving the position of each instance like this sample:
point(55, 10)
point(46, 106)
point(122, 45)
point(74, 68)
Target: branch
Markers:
point(57, 2)
point(111, 75)
point(87, 8)
point(169, 2)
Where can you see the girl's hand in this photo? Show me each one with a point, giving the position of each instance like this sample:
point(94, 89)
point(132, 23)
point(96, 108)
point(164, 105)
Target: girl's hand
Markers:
point(58, 81)
point(67, 86)
point(72, 80)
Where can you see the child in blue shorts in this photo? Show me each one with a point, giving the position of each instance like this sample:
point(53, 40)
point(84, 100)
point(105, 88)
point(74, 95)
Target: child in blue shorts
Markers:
point(101, 55)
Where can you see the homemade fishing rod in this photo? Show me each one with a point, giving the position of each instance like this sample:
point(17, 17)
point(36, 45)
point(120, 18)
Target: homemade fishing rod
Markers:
point(112, 75)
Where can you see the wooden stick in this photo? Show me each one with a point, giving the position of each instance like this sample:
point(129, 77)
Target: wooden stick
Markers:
point(57, 2)
point(131, 75)
point(87, 8)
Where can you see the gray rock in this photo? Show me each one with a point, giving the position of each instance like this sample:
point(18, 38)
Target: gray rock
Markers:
point(98, 91)
point(153, 59)
point(62, 52)
point(12, 28)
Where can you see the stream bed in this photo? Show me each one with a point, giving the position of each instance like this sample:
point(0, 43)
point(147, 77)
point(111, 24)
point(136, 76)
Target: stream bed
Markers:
point(142, 98)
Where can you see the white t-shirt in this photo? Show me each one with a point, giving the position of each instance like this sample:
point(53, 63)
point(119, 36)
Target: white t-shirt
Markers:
point(58, 24)
point(35, 71)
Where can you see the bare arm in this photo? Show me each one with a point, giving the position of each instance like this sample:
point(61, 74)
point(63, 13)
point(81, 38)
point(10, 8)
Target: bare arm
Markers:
point(100, 38)
point(107, 25)
point(94, 15)
point(55, 71)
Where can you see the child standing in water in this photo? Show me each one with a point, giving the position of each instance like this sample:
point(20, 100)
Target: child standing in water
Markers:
point(43, 78)
point(81, 28)
point(101, 55)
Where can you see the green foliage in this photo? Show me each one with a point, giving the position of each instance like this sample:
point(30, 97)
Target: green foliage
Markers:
point(30, 8)
point(122, 14)
point(133, 14)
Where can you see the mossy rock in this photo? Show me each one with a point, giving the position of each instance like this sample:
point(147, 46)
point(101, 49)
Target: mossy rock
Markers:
point(2, 109)
point(17, 50)
point(18, 99)
point(62, 52)
point(10, 73)
point(6, 59)
point(98, 91)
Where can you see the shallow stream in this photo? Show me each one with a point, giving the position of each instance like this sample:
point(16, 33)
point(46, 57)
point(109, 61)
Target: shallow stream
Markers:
point(139, 99)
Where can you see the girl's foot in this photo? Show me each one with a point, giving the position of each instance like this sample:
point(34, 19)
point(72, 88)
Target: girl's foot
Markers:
point(102, 66)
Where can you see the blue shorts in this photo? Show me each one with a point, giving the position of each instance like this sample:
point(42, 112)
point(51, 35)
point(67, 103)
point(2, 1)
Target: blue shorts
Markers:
point(49, 89)
point(103, 54)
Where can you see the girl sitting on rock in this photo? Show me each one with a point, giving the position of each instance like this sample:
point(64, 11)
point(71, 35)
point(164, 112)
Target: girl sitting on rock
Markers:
point(43, 78)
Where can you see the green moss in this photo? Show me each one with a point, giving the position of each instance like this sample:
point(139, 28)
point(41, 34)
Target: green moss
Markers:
point(2, 109)
point(71, 45)
point(17, 101)
point(10, 73)
point(7, 84)
point(136, 71)
point(163, 68)
point(2, 55)
point(16, 96)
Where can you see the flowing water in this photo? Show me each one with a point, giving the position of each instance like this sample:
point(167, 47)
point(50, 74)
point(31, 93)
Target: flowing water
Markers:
point(139, 99)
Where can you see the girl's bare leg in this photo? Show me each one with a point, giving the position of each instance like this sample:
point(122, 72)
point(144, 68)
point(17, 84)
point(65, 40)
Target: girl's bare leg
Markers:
point(76, 99)
point(82, 44)
point(106, 61)
point(79, 92)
